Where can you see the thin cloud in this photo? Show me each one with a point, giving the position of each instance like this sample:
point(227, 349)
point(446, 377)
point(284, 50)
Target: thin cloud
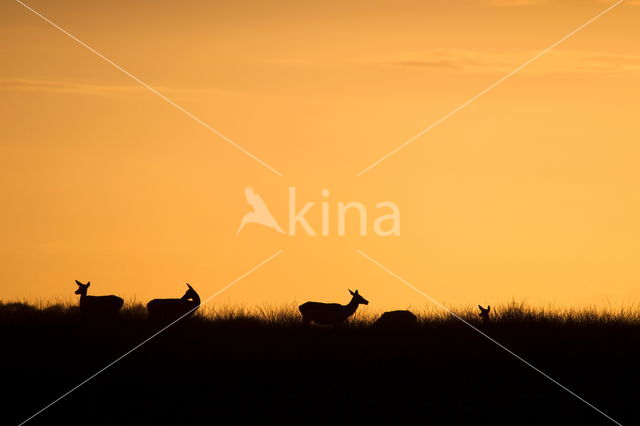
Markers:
point(48, 86)
point(507, 3)
point(559, 61)
point(57, 86)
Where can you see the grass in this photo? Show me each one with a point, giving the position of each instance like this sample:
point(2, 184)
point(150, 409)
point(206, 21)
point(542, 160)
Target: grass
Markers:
point(509, 314)
point(259, 365)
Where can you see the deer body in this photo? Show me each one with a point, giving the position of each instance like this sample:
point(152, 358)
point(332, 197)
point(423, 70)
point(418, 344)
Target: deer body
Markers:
point(97, 305)
point(330, 313)
point(172, 309)
point(396, 319)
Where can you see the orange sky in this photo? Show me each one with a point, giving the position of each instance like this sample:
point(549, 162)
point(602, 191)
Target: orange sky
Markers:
point(528, 193)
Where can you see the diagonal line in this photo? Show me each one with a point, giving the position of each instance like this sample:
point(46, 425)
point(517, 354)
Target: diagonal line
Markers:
point(440, 305)
point(151, 337)
point(151, 89)
point(437, 122)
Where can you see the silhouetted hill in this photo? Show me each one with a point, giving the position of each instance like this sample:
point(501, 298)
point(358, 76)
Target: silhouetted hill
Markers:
point(266, 368)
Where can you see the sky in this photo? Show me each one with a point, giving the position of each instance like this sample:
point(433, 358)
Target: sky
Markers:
point(528, 193)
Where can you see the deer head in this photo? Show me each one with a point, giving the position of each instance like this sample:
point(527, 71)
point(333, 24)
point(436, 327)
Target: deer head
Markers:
point(358, 299)
point(82, 288)
point(190, 294)
point(484, 313)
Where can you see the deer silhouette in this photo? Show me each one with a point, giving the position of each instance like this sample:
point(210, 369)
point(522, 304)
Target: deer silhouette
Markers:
point(172, 309)
point(99, 306)
point(330, 313)
point(485, 313)
point(396, 319)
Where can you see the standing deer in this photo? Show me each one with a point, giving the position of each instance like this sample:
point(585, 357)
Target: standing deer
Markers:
point(172, 309)
point(330, 313)
point(485, 313)
point(97, 305)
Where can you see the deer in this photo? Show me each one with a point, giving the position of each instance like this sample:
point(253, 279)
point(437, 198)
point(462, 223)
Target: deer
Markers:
point(331, 313)
point(485, 314)
point(396, 319)
point(173, 309)
point(97, 305)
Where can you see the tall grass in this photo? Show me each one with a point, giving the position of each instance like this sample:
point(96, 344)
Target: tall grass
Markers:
point(514, 312)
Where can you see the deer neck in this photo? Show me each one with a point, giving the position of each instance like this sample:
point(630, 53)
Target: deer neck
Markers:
point(350, 309)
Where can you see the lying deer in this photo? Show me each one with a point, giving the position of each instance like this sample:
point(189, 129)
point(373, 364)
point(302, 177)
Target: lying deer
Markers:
point(97, 305)
point(172, 309)
point(396, 320)
point(330, 313)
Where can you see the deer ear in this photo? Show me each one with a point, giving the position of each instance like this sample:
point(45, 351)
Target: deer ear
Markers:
point(78, 282)
point(351, 293)
point(88, 283)
point(481, 308)
point(190, 288)
point(488, 308)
